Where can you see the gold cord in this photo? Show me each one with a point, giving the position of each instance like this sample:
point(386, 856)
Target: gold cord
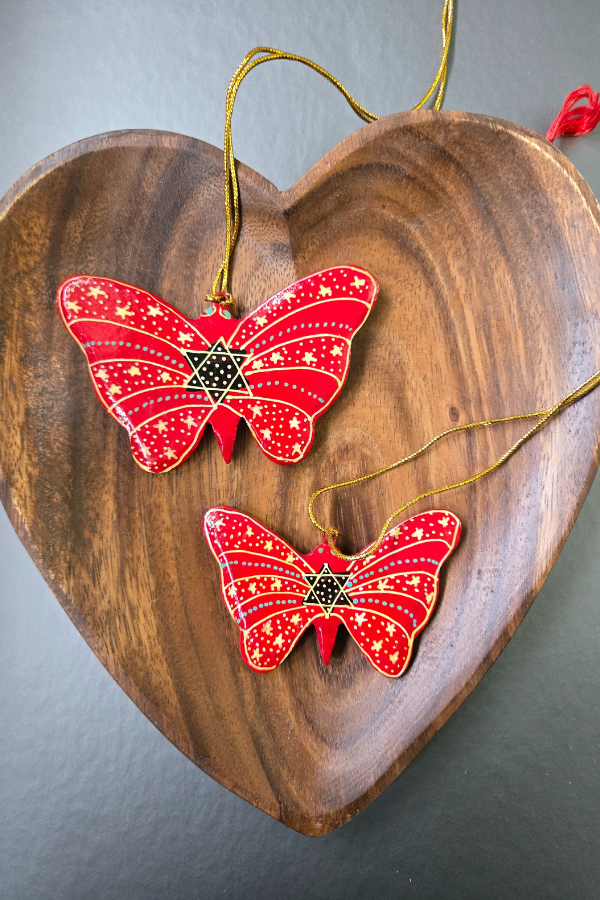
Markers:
point(219, 292)
point(543, 415)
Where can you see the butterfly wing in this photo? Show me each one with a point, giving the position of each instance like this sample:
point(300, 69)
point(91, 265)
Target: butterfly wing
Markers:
point(262, 584)
point(394, 591)
point(298, 344)
point(133, 342)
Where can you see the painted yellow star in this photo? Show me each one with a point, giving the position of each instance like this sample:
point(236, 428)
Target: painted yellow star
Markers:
point(266, 433)
point(390, 628)
point(415, 581)
point(288, 296)
point(170, 454)
point(161, 426)
point(294, 423)
point(249, 531)
point(95, 292)
point(290, 558)
point(189, 422)
point(261, 320)
point(267, 628)
point(309, 358)
point(185, 337)
point(115, 389)
point(296, 448)
point(358, 282)
point(359, 618)
point(134, 370)
point(258, 364)
point(268, 546)
point(295, 618)
point(256, 655)
point(155, 311)
point(256, 409)
point(124, 311)
point(444, 522)
point(278, 642)
point(252, 587)
point(324, 291)
point(276, 585)
point(417, 533)
point(102, 373)
point(382, 584)
point(73, 306)
point(276, 357)
point(164, 376)
point(394, 657)
point(337, 350)
point(376, 646)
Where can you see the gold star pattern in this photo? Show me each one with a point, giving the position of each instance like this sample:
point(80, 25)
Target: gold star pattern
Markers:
point(170, 454)
point(256, 655)
point(295, 618)
point(161, 426)
point(296, 448)
point(261, 320)
point(276, 357)
point(267, 628)
point(390, 628)
point(309, 358)
point(337, 350)
point(256, 409)
point(417, 533)
point(358, 282)
point(124, 311)
point(258, 364)
point(359, 618)
point(382, 584)
point(290, 558)
point(444, 522)
point(278, 642)
point(288, 296)
point(415, 581)
point(134, 370)
point(252, 588)
point(394, 657)
point(189, 422)
point(276, 585)
point(294, 423)
point(376, 646)
point(102, 373)
point(268, 546)
point(183, 338)
point(115, 389)
point(324, 291)
point(266, 433)
point(95, 292)
point(73, 306)
point(155, 311)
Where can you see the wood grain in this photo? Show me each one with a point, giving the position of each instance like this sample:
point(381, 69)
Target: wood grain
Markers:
point(486, 244)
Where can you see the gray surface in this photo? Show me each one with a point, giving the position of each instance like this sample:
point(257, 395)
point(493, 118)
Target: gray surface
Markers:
point(94, 802)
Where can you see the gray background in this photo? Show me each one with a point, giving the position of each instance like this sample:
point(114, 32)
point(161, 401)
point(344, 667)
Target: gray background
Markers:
point(94, 802)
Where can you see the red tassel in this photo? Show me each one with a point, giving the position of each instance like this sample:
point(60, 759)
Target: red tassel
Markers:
point(574, 119)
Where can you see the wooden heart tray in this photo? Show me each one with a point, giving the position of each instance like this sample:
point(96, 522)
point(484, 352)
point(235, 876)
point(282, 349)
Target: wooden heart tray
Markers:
point(486, 245)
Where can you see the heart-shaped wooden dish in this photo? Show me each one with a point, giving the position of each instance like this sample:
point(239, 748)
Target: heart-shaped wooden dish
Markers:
point(486, 244)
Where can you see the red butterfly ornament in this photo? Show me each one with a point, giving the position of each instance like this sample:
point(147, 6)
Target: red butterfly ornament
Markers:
point(164, 377)
point(274, 593)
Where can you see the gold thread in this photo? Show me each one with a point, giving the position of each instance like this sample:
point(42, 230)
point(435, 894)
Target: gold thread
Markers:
point(219, 293)
point(543, 415)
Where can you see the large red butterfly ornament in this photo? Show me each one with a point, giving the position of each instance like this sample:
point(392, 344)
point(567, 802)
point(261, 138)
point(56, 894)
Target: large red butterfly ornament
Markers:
point(164, 377)
point(274, 593)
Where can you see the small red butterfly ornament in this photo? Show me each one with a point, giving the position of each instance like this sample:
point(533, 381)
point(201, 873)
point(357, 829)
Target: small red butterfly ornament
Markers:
point(275, 593)
point(164, 377)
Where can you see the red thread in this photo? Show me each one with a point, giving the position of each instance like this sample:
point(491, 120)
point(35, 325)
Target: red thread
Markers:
point(574, 119)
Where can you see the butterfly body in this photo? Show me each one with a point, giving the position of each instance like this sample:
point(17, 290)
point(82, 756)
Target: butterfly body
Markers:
point(274, 593)
point(164, 377)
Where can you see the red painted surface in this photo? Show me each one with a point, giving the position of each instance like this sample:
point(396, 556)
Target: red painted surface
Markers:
point(386, 600)
point(288, 360)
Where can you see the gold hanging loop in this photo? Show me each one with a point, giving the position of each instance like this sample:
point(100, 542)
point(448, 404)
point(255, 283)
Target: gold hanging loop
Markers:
point(330, 534)
point(256, 57)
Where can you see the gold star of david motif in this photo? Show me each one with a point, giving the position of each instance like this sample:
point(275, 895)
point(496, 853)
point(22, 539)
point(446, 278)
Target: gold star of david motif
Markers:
point(327, 589)
point(217, 371)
